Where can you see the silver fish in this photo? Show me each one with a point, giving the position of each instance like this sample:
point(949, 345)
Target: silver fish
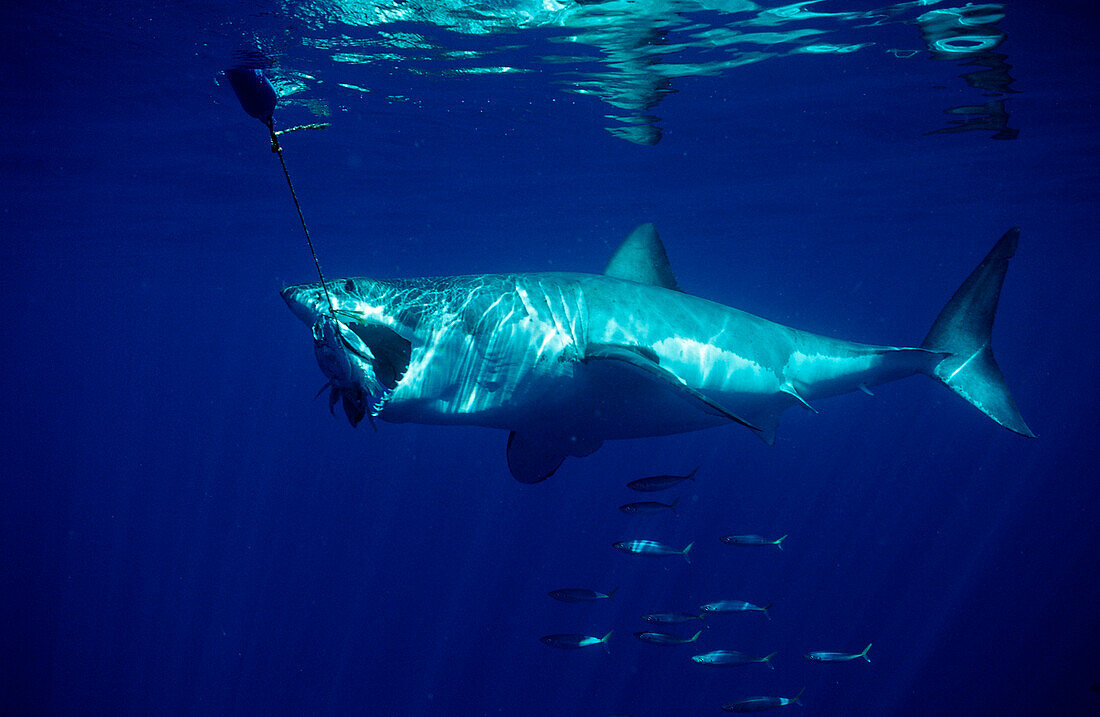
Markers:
point(731, 658)
point(838, 656)
point(670, 618)
point(648, 507)
point(760, 704)
point(655, 483)
point(651, 548)
point(579, 595)
point(569, 642)
point(752, 540)
point(735, 606)
point(666, 638)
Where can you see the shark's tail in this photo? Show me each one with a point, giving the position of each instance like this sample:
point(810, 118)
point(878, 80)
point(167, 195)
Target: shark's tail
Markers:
point(964, 331)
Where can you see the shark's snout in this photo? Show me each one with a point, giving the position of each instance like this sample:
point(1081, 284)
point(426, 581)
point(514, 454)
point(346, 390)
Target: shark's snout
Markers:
point(306, 301)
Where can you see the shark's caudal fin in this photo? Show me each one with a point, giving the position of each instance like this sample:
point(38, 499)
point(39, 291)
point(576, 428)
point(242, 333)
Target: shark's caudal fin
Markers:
point(964, 330)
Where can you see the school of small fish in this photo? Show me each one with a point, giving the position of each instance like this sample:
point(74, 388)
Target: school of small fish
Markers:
point(714, 658)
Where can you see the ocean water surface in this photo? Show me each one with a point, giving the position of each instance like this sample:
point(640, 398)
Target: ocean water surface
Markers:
point(187, 531)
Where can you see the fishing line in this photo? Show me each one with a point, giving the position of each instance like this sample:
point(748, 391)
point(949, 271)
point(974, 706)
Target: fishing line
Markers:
point(278, 150)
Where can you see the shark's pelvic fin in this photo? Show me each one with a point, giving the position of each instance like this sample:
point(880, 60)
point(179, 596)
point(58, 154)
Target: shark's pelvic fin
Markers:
point(964, 329)
point(642, 258)
point(790, 390)
point(645, 361)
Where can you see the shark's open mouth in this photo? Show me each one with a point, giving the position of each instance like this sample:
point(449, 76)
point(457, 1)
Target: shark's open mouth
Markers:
point(364, 363)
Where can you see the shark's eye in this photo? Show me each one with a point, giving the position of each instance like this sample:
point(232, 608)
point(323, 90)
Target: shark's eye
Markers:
point(349, 286)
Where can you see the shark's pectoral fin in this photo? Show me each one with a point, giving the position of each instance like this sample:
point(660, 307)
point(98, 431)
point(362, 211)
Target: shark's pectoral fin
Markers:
point(644, 360)
point(531, 460)
point(766, 426)
point(579, 447)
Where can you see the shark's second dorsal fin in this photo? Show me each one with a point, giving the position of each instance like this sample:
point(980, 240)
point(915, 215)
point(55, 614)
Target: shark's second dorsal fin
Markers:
point(642, 258)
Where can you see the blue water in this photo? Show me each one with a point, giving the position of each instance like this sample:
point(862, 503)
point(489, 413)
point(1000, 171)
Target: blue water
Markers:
point(185, 531)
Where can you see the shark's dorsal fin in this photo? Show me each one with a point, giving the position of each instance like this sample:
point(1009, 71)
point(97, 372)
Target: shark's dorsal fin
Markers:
point(642, 258)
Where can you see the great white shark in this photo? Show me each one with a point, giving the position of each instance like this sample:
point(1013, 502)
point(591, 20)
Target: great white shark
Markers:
point(565, 361)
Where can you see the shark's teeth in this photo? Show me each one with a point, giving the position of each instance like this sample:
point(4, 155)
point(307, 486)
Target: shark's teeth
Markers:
point(377, 406)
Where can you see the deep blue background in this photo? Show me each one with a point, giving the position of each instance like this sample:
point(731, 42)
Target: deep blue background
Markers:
point(186, 532)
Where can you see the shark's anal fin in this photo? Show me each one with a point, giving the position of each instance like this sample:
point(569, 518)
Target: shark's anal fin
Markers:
point(642, 258)
point(645, 360)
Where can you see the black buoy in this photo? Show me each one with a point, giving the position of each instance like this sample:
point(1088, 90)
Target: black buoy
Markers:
point(255, 92)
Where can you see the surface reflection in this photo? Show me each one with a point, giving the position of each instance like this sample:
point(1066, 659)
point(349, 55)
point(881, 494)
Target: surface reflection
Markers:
point(630, 53)
point(969, 35)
